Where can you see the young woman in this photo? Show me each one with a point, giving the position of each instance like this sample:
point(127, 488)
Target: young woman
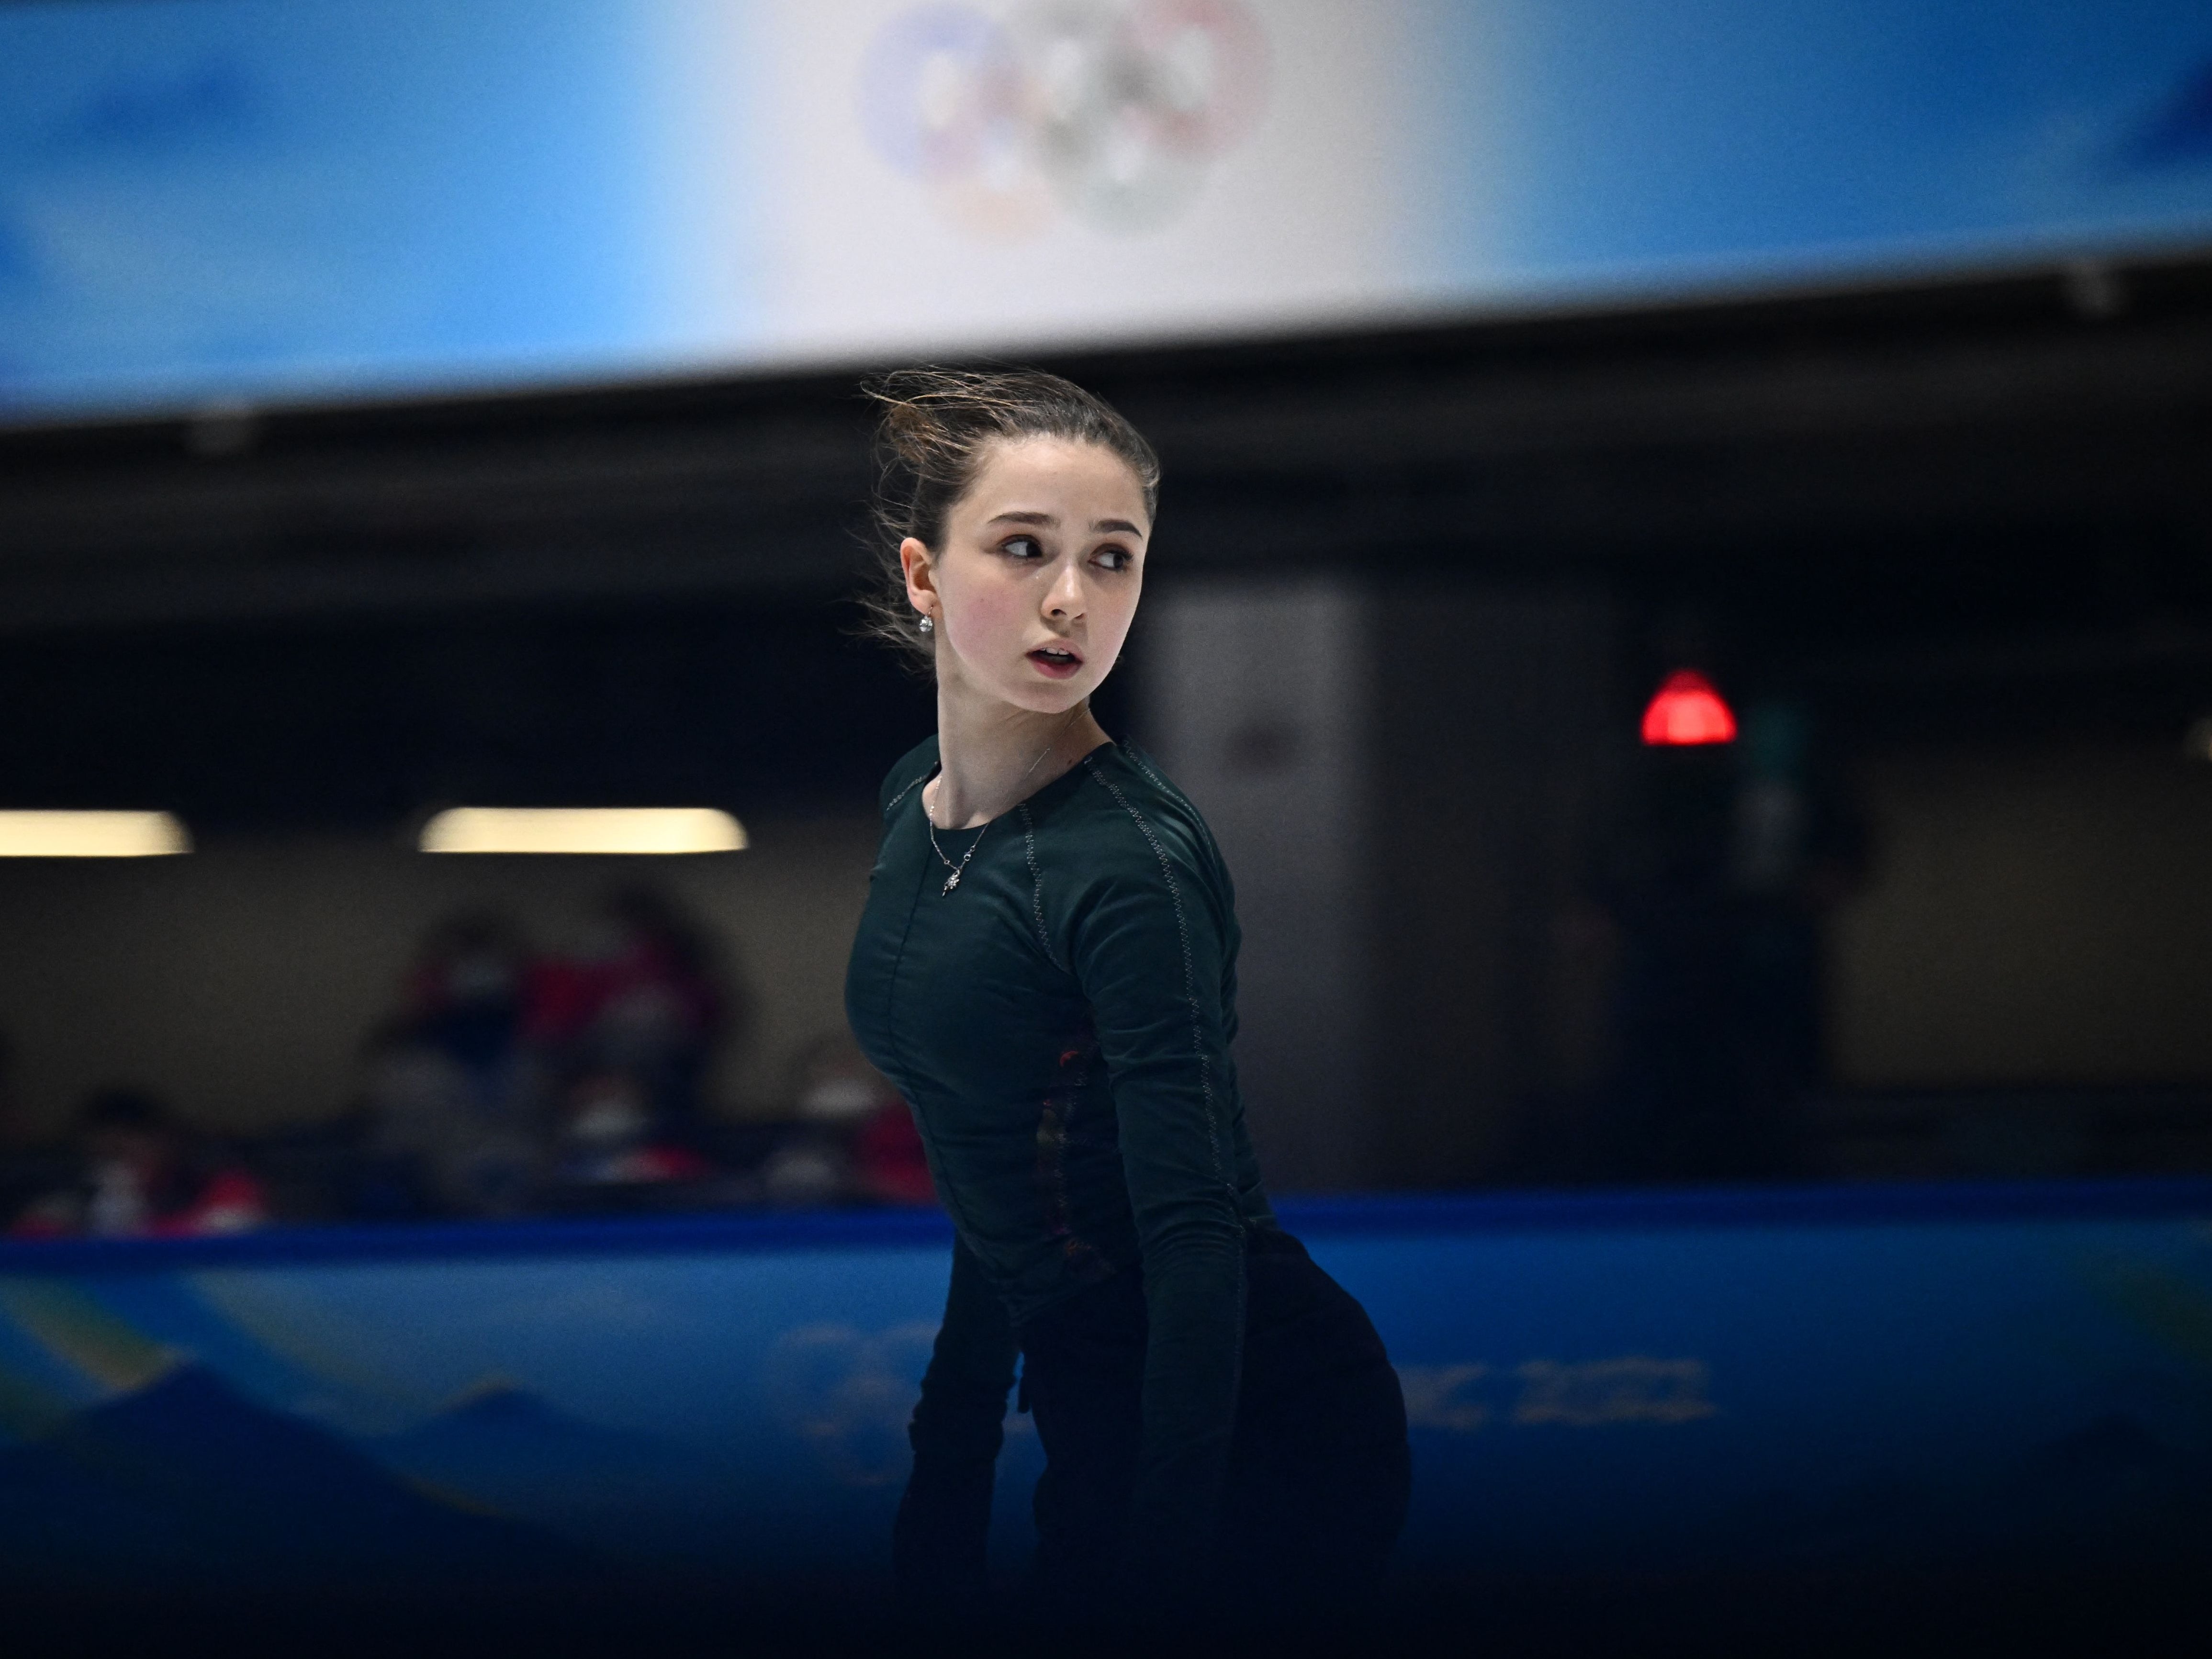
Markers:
point(1047, 969)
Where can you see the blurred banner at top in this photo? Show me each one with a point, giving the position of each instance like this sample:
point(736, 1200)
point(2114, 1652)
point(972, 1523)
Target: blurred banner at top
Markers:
point(204, 200)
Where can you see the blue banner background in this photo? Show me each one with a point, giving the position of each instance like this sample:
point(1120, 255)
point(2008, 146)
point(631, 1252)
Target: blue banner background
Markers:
point(1598, 1386)
point(211, 199)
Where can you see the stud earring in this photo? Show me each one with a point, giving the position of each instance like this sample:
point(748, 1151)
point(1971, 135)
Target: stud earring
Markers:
point(927, 625)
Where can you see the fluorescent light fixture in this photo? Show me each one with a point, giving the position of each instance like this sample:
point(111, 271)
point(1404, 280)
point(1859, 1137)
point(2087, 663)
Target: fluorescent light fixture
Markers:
point(583, 829)
point(91, 835)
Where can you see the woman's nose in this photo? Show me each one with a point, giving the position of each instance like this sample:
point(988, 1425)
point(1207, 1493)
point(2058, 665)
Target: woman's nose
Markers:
point(1065, 600)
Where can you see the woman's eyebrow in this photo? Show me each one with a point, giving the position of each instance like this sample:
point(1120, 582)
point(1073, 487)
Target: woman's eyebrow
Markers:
point(1052, 521)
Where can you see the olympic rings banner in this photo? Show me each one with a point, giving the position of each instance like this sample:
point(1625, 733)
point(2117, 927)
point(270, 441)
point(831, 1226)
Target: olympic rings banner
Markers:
point(301, 199)
point(1112, 114)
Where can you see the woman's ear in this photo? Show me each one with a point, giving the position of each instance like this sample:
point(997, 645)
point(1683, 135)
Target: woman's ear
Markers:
point(921, 575)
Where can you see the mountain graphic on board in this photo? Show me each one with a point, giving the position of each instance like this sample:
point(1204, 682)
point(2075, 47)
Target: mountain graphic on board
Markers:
point(2117, 1482)
point(2181, 133)
point(507, 1448)
point(184, 1481)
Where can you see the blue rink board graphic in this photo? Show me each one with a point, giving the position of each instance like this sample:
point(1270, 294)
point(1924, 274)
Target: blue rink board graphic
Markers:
point(1597, 1385)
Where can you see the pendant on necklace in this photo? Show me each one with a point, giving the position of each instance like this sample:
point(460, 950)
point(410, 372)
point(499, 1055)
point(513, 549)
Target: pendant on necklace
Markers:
point(951, 882)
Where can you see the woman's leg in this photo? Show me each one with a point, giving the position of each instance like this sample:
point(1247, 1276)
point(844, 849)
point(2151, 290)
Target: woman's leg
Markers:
point(1320, 1474)
point(1083, 1374)
point(1319, 1470)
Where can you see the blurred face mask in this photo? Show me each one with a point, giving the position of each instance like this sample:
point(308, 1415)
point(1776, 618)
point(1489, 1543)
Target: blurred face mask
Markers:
point(607, 1117)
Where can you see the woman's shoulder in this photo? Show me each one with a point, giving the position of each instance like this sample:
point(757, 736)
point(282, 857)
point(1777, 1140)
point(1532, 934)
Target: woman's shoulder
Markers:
point(1136, 782)
point(1135, 822)
point(908, 773)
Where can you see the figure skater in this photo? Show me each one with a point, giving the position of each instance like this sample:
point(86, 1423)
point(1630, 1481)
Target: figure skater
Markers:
point(1046, 969)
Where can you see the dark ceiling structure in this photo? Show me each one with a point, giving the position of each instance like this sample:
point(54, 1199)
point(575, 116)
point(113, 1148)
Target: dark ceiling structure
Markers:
point(1980, 483)
point(2010, 406)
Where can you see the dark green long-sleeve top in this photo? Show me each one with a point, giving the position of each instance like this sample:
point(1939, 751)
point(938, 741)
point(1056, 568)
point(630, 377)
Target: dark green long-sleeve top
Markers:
point(1060, 1023)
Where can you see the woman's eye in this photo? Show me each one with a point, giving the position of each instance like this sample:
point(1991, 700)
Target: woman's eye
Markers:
point(1114, 558)
point(1022, 547)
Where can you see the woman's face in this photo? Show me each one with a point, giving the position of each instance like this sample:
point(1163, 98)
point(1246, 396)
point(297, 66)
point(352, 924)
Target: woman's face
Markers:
point(1036, 585)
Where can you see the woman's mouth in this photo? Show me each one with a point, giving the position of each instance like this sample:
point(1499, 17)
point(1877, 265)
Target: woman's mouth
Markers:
point(1056, 660)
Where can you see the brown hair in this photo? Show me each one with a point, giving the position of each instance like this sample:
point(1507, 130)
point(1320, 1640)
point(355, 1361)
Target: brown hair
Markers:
point(933, 426)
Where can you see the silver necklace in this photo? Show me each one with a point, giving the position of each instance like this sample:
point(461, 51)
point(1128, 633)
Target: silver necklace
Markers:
point(960, 869)
point(953, 880)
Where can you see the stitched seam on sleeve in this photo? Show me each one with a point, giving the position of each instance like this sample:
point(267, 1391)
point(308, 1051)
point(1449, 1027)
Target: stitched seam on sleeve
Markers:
point(1037, 882)
point(1154, 778)
point(1175, 794)
point(1189, 970)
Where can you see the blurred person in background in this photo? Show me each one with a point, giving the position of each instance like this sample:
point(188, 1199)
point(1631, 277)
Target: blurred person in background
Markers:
point(610, 1149)
point(1046, 970)
point(890, 1165)
point(854, 1141)
point(458, 1086)
point(144, 1176)
point(1728, 864)
point(1796, 852)
point(641, 997)
point(1673, 1107)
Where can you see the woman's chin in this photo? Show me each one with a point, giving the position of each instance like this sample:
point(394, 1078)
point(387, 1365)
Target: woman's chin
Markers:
point(1066, 702)
point(1027, 685)
point(1040, 696)
point(1051, 689)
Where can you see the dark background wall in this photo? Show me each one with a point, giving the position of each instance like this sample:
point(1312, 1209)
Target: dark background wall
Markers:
point(1963, 529)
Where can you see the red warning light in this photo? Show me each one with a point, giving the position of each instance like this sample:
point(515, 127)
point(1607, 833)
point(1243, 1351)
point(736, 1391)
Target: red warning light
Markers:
point(1687, 710)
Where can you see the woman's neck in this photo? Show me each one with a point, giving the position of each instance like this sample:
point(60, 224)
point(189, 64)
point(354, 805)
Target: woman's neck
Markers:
point(993, 755)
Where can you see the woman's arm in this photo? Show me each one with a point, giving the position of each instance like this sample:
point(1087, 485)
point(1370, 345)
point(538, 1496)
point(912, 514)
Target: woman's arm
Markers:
point(1148, 952)
point(937, 1542)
